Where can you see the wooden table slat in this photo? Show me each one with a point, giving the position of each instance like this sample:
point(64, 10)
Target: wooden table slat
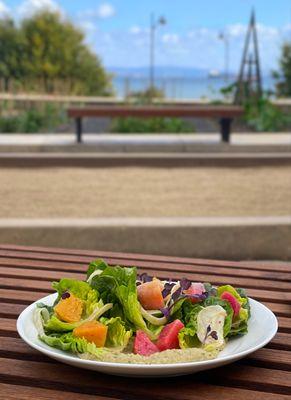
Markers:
point(25, 251)
point(214, 279)
point(259, 379)
point(11, 392)
point(25, 276)
point(9, 265)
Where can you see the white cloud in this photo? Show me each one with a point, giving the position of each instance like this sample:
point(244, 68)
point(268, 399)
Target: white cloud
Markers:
point(30, 7)
point(4, 10)
point(236, 30)
point(171, 38)
point(106, 10)
point(135, 30)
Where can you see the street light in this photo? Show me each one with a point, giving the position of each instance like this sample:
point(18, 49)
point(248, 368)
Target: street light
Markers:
point(153, 26)
point(223, 36)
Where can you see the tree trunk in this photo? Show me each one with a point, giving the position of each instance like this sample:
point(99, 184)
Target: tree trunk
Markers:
point(6, 84)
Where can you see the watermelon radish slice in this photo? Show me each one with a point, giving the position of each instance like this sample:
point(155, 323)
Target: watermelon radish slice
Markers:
point(197, 289)
point(143, 345)
point(168, 338)
point(232, 301)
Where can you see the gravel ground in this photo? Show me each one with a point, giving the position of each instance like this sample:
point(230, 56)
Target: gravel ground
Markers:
point(142, 192)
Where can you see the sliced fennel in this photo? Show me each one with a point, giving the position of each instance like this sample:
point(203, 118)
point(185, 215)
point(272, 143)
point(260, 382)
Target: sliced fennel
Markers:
point(152, 319)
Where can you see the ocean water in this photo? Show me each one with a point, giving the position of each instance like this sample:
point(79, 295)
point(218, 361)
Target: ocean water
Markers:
point(181, 87)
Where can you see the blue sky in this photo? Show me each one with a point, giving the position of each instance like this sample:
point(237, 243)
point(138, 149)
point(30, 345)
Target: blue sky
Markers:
point(118, 29)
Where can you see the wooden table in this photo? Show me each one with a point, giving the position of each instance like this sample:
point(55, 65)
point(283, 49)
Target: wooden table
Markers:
point(224, 113)
point(25, 275)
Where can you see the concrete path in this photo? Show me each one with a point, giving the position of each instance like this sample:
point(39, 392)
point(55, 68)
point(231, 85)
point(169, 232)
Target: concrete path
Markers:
point(237, 139)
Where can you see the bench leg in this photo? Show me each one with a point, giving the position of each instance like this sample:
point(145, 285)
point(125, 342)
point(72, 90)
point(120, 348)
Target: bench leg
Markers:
point(79, 129)
point(225, 129)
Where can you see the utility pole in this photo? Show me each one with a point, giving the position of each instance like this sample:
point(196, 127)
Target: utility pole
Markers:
point(153, 26)
point(223, 36)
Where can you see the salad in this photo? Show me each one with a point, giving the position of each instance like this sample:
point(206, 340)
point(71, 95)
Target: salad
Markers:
point(116, 315)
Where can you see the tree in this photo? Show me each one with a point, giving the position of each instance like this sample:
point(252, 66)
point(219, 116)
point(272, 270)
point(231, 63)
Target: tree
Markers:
point(11, 50)
point(55, 51)
point(284, 76)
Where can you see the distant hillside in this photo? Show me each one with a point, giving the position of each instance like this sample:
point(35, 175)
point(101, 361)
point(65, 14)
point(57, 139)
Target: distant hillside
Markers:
point(160, 72)
point(169, 72)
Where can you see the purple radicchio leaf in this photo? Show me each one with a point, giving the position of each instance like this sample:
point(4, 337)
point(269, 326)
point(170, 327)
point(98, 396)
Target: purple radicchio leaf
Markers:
point(144, 278)
point(166, 312)
point(167, 289)
point(176, 295)
point(201, 296)
point(65, 295)
point(185, 283)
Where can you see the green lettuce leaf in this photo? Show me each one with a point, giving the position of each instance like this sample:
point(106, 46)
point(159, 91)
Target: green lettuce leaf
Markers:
point(188, 335)
point(117, 335)
point(78, 288)
point(68, 342)
point(239, 324)
point(56, 325)
point(243, 295)
point(155, 330)
point(120, 283)
point(91, 302)
point(96, 265)
point(230, 289)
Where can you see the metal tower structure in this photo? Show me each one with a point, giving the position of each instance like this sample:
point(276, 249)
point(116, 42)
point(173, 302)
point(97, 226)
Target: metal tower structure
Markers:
point(249, 81)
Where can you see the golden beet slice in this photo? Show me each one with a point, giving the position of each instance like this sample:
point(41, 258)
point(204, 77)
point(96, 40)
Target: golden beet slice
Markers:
point(93, 331)
point(69, 309)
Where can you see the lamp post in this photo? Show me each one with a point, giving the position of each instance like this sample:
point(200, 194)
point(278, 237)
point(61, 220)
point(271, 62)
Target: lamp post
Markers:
point(223, 36)
point(153, 26)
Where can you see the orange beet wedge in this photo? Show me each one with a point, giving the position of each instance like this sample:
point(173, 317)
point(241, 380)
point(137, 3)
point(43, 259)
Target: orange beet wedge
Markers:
point(93, 331)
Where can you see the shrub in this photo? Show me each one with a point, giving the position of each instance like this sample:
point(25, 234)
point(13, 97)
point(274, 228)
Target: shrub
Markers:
point(33, 120)
point(150, 125)
point(262, 116)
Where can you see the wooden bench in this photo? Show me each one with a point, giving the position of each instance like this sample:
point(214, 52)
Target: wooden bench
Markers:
point(225, 114)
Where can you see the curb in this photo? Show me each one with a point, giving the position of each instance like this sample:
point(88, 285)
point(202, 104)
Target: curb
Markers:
point(234, 238)
point(92, 160)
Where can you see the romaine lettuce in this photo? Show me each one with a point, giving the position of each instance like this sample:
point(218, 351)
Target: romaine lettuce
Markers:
point(117, 335)
point(78, 288)
point(230, 289)
point(121, 283)
point(54, 324)
point(68, 342)
point(188, 335)
point(239, 325)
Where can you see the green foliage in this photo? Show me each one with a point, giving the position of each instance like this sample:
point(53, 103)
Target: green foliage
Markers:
point(47, 53)
point(284, 76)
point(147, 96)
point(11, 46)
point(262, 116)
point(34, 120)
point(150, 125)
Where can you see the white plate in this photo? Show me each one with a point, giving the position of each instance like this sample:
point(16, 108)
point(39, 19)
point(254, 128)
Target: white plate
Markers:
point(263, 326)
